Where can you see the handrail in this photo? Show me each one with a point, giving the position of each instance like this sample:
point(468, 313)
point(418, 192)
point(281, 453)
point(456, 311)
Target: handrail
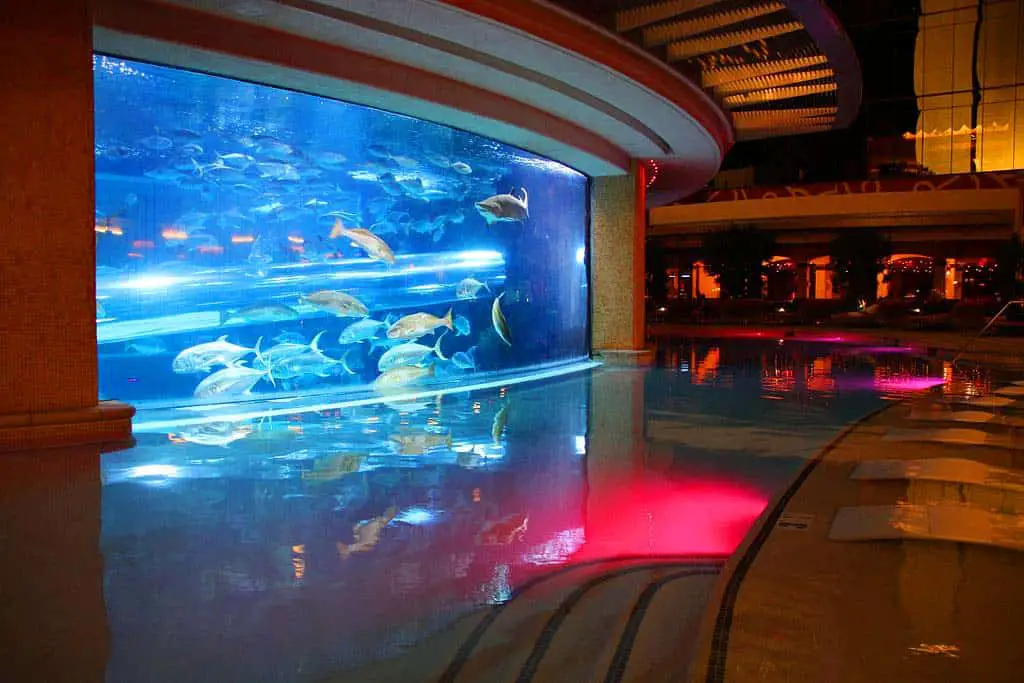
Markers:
point(963, 349)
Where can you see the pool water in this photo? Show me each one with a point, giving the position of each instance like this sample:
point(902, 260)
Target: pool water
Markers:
point(291, 547)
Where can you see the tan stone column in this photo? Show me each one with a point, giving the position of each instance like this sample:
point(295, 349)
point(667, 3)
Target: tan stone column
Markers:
point(617, 240)
point(48, 392)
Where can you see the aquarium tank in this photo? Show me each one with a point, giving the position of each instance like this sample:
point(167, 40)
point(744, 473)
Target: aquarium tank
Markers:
point(256, 243)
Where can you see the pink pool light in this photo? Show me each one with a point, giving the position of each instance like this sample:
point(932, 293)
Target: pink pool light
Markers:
point(671, 518)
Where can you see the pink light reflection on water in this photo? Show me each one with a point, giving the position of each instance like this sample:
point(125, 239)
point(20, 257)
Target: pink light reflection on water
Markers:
point(881, 349)
point(655, 518)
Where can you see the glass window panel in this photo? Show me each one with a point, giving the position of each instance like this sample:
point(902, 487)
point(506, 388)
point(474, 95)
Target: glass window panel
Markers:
point(995, 141)
point(230, 257)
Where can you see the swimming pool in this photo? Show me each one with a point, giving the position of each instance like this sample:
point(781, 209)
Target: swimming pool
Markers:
point(294, 546)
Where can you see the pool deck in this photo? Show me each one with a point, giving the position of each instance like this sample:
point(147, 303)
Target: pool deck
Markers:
point(912, 577)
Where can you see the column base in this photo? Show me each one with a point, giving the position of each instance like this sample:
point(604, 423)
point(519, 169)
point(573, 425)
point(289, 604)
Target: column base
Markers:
point(106, 422)
point(625, 357)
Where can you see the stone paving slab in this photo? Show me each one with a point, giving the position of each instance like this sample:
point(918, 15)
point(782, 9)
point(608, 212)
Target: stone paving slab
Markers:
point(793, 605)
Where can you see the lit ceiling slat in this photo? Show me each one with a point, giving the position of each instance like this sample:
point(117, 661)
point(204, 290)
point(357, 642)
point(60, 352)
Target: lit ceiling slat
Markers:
point(694, 47)
point(782, 117)
point(773, 81)
point(629, 19)
point(776, 94)
point(664, 33)
point(729, 74)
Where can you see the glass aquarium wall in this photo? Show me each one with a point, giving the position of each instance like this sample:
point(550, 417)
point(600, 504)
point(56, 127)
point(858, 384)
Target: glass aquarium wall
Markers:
point(258, 243)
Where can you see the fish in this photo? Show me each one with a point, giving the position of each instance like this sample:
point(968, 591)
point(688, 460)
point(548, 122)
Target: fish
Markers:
point(259, 313)
point(315, 203)
point(329, 160)
point(462, 168)
point(361, 331)
point(290, 338)
point(283, 351)
point(215, 433)
point(499, 322)
point(157, 143)
point(267, 209)
point(418, 442)
point(333, 467)
point(234, 379)
point(366, 534)
point(235, 160)
point(375, 247)
point(409, 353)
point(498, 423)
point(203, 357)
point(468, 288)
point(462, 326)
point(341, 304)
point(146, 347)
point(162, 174)
point(438, 159)
point(502, 531)
point(308, 364)
point(385, 343)
point(401, 375)
point(506, 208)
point(464, 359)
point(419, 324)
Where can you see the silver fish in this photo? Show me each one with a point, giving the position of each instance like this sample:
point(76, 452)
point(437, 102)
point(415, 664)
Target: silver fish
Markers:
point(409, 354)
point(468, 288)
point(203, 357)
point(360, 331)
point(505, 208)
point(400, 376)
point(260, 313)
point(234, 379)
point(341, 304)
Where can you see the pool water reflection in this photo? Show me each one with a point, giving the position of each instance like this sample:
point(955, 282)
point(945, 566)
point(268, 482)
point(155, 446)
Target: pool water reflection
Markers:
point(289, 548)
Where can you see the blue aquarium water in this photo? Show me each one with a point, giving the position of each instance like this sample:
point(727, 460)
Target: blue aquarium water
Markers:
point(302, 546)
point(256, 243)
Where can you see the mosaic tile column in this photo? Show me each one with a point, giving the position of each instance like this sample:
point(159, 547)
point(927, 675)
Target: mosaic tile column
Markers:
point(47, 263)
point(54, 619)
point(617, 237)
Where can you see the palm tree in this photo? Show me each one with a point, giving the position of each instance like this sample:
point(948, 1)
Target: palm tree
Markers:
point(736, 258)
point(858, 256)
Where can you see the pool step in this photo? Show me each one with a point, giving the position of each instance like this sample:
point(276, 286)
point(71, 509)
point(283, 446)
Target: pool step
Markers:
point(959, 436)
point(585, 624)
point(952, 470)
point(949, 522)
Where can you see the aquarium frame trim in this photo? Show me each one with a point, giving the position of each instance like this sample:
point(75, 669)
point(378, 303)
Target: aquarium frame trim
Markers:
point(160, 426)
point(588, 230)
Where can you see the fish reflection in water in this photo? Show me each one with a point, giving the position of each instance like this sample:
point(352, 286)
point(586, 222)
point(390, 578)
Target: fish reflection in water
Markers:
point(503, 531)
point(334, 467)
point(214, 433)
point(419, 442)
point(366, 534)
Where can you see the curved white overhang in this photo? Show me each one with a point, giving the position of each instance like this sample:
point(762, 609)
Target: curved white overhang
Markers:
point(558, 86)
